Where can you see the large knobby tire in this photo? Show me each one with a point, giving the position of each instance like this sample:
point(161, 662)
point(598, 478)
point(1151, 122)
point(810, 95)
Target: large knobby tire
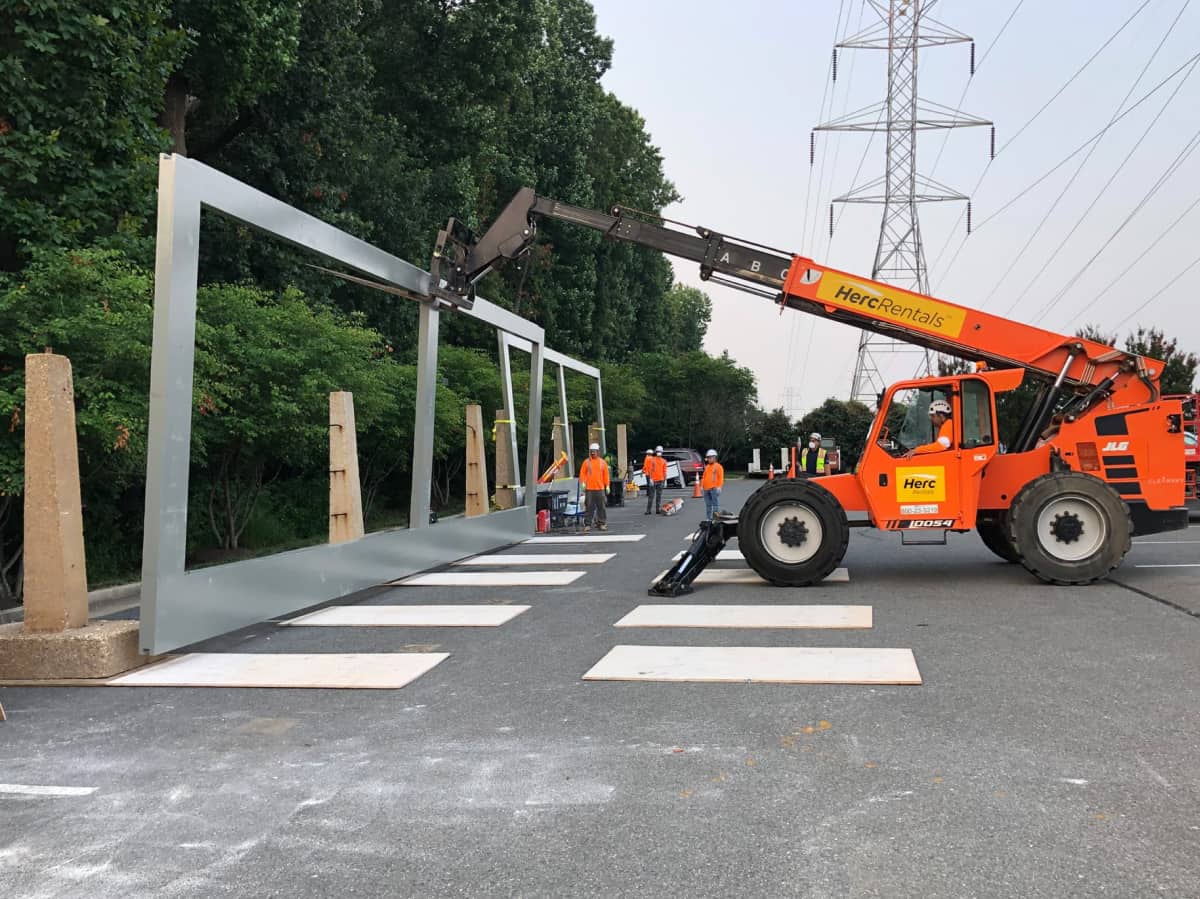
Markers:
point(1070, 528)
point(793, 533)
point(993, 531)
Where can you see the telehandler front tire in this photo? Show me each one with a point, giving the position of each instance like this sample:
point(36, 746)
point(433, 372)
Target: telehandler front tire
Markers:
point(993, 531)
point(1070, 528)
point(793, 533)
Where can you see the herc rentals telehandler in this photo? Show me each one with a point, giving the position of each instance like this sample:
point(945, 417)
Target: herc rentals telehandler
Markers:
point(1098, 458)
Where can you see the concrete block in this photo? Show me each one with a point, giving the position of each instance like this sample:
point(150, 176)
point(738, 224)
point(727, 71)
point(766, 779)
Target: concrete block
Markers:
point(55, 573)
point(345, 492)
point(101, 649)
point(477, 486)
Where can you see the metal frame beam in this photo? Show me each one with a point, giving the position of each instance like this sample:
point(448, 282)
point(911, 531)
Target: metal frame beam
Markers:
point(181, 607)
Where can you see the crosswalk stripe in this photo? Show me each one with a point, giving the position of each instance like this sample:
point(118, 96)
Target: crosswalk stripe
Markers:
point(757, 664)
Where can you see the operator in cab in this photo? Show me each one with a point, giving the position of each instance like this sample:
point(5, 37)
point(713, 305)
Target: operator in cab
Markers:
point(939, 417)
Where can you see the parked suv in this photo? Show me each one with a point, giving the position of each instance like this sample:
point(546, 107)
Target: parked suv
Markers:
point(691, 464)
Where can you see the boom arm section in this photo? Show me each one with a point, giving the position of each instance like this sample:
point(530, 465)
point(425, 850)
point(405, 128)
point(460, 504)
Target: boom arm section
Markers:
point(1086, 368)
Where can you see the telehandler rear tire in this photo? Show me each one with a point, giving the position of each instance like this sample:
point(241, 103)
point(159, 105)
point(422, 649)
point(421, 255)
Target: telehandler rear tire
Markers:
point(1070, 528)
point(993, 531)
point(793, 533)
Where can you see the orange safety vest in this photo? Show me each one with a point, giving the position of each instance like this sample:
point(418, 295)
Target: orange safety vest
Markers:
point(594, 474)
point(660, 473)
point(714, 476)
point(945, 431)
point(650, 467)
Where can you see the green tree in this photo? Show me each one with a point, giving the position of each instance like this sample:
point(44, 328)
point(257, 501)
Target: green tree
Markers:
point(689, 312)
point(1179, 367)
point(239, 51)
point(769, 431)
point(696, 400)
point(846, 421)
point(94, 308)
point(265, 366)
point(1097, 334)
point(80, 92)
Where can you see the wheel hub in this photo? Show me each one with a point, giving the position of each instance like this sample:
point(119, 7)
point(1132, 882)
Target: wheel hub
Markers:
point(793, 532)
point(1066, 527)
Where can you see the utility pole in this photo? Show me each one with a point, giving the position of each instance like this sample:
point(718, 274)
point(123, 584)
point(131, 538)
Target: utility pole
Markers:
point(904, 28)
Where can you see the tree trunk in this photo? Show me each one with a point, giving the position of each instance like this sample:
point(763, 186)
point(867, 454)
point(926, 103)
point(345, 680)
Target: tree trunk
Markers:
point(175, 109)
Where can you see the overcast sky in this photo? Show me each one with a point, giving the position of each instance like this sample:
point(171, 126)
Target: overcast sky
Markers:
point(730, 92)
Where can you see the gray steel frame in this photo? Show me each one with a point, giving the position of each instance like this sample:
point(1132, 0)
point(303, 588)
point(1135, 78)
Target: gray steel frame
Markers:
point(553, 357)
point(181, 607)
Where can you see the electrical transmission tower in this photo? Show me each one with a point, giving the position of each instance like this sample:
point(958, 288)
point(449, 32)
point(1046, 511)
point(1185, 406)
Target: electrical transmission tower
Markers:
point(903, 29)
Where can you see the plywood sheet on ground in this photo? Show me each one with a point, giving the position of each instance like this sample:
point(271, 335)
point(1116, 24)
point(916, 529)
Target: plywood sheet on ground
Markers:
point(490, 579)
point(347, 671)
point(757, 664)
point(506, 559)
point(409, 616)
point(745, 616)
point(749, 576)
point(589, 538)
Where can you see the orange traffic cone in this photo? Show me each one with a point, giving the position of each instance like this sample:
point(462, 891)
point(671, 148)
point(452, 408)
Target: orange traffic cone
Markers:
point(696, 493)
point(771, 472)
point(792, 469)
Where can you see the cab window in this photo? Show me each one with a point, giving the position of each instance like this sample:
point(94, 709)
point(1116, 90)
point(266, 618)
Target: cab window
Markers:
point(907, 425)
point(977, 426)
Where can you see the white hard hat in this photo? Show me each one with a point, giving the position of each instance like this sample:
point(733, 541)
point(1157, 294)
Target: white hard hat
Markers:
point(939, 406)
point(658, 449)
point(814, 436)
point(710, 453)
point(594, 446)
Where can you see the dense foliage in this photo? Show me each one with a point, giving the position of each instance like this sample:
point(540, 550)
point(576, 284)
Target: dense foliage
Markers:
point(384, 118)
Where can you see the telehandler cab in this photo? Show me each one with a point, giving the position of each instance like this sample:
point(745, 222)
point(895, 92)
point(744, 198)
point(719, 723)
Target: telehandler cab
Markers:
point(1098, 458)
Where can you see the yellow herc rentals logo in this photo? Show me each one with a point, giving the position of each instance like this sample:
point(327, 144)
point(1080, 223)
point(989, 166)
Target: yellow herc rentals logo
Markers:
point(925, 483)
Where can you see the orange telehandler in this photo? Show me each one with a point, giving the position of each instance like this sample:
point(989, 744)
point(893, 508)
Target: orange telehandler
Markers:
point(1098, 458)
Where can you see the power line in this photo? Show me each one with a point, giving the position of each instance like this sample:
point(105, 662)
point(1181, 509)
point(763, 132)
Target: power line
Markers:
point(812, 324)
point(1019, 132)
point(1079, 169)
point(1142, 255)
point(1078, 72)
point(970, 81)
point(1179, 159)
point(795, 324)
point(1189, 61)
point(1158, 293)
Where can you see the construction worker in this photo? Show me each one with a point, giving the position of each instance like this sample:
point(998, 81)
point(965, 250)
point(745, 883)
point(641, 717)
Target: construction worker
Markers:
point(711, 483)
point(655, 470)
point(813, 457)
point(939, 417)
point(593, 475)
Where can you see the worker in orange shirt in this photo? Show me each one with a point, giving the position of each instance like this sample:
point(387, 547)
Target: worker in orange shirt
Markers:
point(655, 469)
point(939, 417)
point(711, 483)
point(593, 475)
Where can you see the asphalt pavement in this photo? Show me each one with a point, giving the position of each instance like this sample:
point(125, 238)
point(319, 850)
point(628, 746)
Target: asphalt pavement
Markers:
point(1052, 751)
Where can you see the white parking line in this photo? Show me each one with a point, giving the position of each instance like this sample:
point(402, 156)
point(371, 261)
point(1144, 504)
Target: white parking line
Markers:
point(743, 616)
point(490, 579)
point(1167, 542)
point(595, 538)
point(409, 616)
point(757, 664)
point(34, 790)
point(1172, 565)
point(503, 559)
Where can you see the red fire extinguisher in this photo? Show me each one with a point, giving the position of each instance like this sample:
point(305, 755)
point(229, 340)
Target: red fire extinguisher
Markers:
point(543, 521)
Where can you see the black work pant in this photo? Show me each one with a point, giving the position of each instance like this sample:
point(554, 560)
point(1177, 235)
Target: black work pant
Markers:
point(595, 508)
point(653, 495)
